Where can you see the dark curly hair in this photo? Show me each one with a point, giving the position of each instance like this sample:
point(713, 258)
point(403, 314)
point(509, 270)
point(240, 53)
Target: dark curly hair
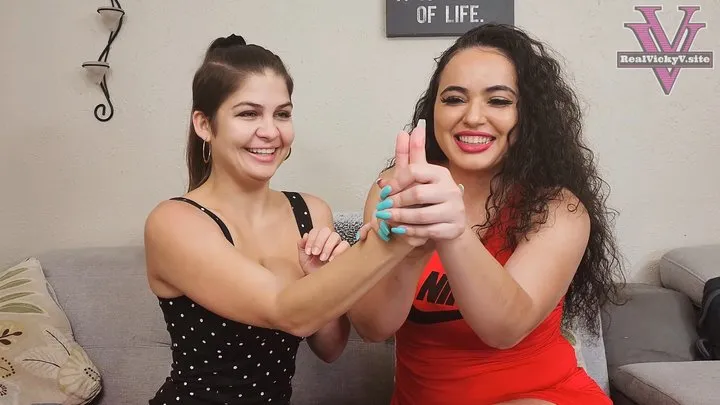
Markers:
point(548, 155)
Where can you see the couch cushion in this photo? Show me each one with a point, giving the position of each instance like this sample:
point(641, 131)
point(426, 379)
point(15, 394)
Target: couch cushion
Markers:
point(115, 316)
point(687, 269)
point(40, 362)
point(653, 325)
point(675, 383)
point(362, 375)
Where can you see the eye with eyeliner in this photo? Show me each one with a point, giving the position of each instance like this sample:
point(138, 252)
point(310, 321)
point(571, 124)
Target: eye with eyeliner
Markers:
point(500, 101)
point(451, 100)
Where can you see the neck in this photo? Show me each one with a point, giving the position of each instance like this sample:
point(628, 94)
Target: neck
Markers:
point(230, 193)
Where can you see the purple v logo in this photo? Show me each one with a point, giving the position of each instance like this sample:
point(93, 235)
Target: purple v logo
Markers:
point(664, 57)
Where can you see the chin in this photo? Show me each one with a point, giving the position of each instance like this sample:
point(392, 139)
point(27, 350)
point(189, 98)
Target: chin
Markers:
point(262, 174)
point(475, 165)
point(474, 162)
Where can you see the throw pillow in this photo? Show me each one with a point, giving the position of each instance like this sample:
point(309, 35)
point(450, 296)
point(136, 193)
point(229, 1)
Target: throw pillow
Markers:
point(40, 362)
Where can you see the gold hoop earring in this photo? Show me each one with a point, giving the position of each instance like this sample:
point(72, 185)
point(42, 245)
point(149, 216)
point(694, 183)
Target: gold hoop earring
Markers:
point(289, 153)
point(209, 152)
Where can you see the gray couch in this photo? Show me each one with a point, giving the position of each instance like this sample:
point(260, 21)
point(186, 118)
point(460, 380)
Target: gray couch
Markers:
point(650, 339)
point(117, 320)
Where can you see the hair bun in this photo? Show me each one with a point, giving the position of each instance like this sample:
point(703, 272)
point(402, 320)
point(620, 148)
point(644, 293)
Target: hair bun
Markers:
point(227, 42)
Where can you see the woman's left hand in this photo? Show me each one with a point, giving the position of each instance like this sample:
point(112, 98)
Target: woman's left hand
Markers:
point(318, 247)
point(422, 199)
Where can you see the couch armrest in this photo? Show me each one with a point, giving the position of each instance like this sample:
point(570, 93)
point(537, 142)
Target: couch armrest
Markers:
point(687, 269)
point(654, 324)
point(694, 382)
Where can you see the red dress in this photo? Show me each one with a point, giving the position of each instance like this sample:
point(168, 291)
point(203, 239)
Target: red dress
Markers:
point(441, 361)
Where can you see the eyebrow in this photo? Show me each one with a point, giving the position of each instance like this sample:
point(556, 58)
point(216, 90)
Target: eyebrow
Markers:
point(256, 105)
point(490, 89)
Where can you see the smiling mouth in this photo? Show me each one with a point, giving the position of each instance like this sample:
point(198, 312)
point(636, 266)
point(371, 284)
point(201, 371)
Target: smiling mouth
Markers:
point(475, 139)
point(262, 151)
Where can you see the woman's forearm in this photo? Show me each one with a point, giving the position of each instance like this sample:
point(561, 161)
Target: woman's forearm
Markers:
point(480, 283)
point(306, 305)
point(381, 312)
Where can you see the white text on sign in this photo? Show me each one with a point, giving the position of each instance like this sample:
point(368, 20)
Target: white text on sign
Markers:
point(464, 13)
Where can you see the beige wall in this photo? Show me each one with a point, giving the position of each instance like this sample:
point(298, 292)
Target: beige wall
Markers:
point(69, 180)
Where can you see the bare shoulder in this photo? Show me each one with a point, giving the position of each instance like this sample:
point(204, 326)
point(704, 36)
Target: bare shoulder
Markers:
point(567, 207)
point(171, 216)
point(174, 228)
point(566, 219)
point(319, 209)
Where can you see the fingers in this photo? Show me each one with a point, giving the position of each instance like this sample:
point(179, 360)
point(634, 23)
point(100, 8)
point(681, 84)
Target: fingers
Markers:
point(404, 178)
point(316, 240)
point(434, 231)
point(402, 150)
point(330, 244)
point(419, 194)
point(417, 144)
point(364, 230)
point(302, 242)
point(341, 247)
point(324, 243)
point(435, 213)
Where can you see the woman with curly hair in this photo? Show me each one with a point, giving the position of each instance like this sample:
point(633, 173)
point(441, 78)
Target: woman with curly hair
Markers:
point(513, 240)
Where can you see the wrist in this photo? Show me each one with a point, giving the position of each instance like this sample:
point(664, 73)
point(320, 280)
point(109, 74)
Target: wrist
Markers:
point(449, 244)
point(393, 247)
point(423, 250)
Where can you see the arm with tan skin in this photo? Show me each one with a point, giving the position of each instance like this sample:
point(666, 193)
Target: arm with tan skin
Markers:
point(382, 311)
point(185, 251)
point(319, 246)
point(502, 304)
point(524, 291)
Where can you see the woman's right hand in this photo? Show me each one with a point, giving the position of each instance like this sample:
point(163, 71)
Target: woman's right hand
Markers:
point(386, 228)
point(422, 199)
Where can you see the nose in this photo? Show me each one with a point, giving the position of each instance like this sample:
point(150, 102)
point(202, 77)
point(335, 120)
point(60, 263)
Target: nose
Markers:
point(475, 114)
point(267, 129)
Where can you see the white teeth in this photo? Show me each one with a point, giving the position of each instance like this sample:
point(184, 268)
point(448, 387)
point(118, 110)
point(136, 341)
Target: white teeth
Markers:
point(262, 151)
point(475, 139)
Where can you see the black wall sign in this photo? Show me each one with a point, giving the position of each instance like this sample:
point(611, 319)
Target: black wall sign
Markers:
point(439, 18)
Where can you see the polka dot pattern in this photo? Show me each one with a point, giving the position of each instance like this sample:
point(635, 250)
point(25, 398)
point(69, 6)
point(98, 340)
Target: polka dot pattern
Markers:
point(216, 360)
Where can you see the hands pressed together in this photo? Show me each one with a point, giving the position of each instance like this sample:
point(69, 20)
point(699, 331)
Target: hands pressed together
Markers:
point(420, 201)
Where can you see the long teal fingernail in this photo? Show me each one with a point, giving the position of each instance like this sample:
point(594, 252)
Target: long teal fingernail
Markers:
point(384, 204)
point(400, 230)
point(357, 236)
point(383, 214)
point(385, 192)
point(384, 231)
point(384, 227)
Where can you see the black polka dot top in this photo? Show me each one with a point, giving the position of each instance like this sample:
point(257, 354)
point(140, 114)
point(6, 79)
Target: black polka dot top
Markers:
point(219, 361)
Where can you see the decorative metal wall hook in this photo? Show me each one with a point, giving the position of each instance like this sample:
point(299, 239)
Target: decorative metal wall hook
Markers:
point(112, 16)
